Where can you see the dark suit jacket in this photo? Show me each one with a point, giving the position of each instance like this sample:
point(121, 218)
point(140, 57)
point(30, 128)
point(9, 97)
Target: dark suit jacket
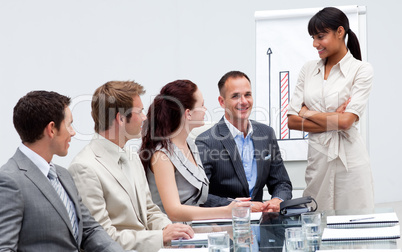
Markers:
point(224, 167)
point(33, 217)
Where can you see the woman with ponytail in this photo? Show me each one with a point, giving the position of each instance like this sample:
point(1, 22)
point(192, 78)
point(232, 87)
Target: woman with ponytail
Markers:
point(174, 170)
point(329, 99)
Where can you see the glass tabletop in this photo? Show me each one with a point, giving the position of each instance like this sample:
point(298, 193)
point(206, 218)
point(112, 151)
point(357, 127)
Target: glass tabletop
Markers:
point(269, 232)
point(272, 232)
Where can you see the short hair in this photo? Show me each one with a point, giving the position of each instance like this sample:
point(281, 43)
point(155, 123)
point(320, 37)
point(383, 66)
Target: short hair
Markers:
point(34, 111)
point(228, 75)
point(111, 98)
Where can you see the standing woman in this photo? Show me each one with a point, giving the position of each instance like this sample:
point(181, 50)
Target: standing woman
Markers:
point(174, 170)
point(328, 101)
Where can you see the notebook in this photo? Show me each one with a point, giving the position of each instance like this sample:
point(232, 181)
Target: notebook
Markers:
point(352, 234)
point(199, 238)
point(366, 220)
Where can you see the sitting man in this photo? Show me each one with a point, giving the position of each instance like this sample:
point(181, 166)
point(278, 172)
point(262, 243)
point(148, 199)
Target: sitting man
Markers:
point(112, 183)
point(40, 208)
point(241, 156)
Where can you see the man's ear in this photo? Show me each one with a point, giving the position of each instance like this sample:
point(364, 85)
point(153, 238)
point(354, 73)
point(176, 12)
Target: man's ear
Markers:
point(119, 118)
point(221, 101)
point(50, 130)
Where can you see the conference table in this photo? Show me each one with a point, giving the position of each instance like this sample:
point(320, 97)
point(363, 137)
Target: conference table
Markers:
point(269, 233)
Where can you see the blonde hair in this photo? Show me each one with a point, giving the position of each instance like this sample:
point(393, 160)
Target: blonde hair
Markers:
point(111, 98)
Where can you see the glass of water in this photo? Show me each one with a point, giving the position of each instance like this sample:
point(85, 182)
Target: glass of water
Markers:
point(294, 239)
point(218, 242)
point(311, 223)
point(242, 237)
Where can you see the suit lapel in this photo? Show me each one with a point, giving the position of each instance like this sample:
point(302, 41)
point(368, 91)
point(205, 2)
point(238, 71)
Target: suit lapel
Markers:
point(258, 145)
point(135, 164)
point(231, 147)
point(33, 173)
point(110, 164)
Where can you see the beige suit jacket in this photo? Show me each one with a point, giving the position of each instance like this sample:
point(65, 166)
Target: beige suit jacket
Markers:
point(124, 209)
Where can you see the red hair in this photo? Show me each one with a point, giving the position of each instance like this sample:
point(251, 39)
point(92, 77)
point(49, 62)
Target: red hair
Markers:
point(164, 116)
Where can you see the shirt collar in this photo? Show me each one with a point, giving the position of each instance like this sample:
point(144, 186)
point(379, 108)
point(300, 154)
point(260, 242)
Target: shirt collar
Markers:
point(113, 149)
point(343, 64)
point(39, 161)
point(234, 131)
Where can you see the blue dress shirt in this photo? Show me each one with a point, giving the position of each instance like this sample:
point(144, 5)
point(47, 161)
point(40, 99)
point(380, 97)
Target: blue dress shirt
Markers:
point(245, 146)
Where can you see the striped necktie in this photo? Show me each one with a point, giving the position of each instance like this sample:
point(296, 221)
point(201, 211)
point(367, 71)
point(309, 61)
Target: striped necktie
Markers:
point(54, 180)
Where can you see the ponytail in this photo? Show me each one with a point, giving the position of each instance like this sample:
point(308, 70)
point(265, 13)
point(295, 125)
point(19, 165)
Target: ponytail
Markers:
point(332, 18)
point(353, 45)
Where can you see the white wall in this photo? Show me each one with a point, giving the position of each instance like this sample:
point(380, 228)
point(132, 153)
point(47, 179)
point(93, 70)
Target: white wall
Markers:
point(73, 46)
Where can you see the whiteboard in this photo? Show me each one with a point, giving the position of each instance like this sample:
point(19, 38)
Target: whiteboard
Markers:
point(283, 46)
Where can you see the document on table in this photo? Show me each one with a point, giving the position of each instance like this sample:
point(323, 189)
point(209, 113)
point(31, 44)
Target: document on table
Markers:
point(350, 234)
point(255, 216)
point(197, 239)
point(366, 220)
point(184, 250)
point(359, 250)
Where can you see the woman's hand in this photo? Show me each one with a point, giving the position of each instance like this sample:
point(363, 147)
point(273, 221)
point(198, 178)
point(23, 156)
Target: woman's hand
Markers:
point(342, 108)
point(238, 202)
point(303, 111)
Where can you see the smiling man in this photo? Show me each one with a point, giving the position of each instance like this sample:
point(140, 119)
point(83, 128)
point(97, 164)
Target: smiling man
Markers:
point(112, 183)
point(40, 208)
point(241, 156)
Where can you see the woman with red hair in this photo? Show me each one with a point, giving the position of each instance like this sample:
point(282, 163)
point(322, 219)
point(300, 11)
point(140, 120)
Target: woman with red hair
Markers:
point(174, 170)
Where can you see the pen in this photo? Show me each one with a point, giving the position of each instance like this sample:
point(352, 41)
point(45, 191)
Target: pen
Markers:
point(368, 218)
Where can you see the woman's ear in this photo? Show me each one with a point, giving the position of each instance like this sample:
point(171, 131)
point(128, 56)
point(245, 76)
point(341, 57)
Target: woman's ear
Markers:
point(340, 32)
point(187, 114)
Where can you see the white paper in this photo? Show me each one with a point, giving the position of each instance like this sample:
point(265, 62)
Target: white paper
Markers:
point(365, 218)
point(184, 250)
point(255, 216)
point(198, 237)
point(337, 234)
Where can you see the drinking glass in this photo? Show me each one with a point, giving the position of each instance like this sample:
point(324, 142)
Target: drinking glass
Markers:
point(294, 239)
point(311, 223)
point(241, 229)
point(218, 242)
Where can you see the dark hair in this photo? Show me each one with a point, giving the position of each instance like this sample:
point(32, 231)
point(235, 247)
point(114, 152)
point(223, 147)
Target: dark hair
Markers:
point(331, 18)
point(231, 74)
point(35, 111)
point(111, 98)
point(164, 116)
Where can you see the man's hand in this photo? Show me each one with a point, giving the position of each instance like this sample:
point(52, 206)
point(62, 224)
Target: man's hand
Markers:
point(177, 231)
point(272, 205)
point(258, 206)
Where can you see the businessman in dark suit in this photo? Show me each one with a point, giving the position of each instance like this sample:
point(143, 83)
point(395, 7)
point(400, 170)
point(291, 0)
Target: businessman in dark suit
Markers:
point(40, 208)
point(241, 156)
